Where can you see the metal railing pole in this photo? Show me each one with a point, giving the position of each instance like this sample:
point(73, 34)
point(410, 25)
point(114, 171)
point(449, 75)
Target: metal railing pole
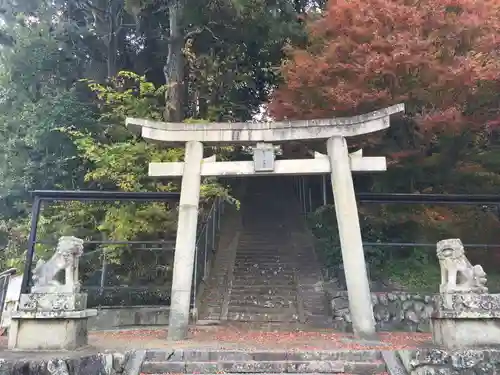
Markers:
point(324, 190)
point(35, 213)
point(299, 192)
point(310, 200)
point(205, 261)
point(206, 242)
point(208, 231)
point(219, 204)
point(195, 276)
point(304, 195)
point(213, 230)
point(103, 272)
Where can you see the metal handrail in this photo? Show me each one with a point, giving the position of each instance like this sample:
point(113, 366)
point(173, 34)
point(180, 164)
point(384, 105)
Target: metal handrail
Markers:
point(205, 241)
point(9, 272)
point(5, 277)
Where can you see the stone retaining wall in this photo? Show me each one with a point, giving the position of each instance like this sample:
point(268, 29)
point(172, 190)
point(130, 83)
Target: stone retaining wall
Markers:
point(116, 317)
point(393, 311)
point(432, 361)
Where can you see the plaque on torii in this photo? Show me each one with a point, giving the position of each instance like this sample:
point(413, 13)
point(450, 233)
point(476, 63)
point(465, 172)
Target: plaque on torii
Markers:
point(263, 137)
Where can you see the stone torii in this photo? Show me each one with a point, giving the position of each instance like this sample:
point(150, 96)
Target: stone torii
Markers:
point(264, 135)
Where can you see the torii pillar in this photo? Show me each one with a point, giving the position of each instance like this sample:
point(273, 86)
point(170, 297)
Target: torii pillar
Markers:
point(338, 162)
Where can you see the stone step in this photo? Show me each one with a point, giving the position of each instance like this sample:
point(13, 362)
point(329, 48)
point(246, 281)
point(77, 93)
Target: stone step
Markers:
point(215, 317)
point(272, 259)
point(243, 271)
point(278, 290)
point(213, 308)
point(270, 256)
point(236, 305)
point(256, 235)
point(257, 271)
point(260, 367)
point(261, 262)
point(250, 298)
point(260, 239)
point(262, 278)
point(261, 317)
point(270, 267)
point(273, 241)
point(262, 282)
point(210, 355)
point(275, 244)
point(259, 259)
point(272, 248)
point(267, 264)
point(263, 238)
point(257, 275)
point(256, 298)
point(370, 372)
point(262, 309)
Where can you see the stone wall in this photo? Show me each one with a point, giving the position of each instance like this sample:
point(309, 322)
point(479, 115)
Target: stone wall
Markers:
point(431, 361)
point(393, 311)
point(115, 317)
point(125, 296)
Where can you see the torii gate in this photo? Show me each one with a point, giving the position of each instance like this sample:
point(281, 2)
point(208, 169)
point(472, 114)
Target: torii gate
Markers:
point(338, 162)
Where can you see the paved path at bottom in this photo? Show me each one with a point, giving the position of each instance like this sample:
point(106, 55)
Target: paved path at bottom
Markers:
point(238, 337)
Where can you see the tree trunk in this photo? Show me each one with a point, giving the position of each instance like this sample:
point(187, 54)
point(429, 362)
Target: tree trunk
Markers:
point(112, 66)
point(174, 66)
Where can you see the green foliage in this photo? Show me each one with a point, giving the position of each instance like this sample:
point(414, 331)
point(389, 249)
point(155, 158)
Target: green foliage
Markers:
point(120, 161)
point(418, 271)
point(128, 94)
point(63, 109)
point(412, 267)
point(323, 224)
point(36, 102)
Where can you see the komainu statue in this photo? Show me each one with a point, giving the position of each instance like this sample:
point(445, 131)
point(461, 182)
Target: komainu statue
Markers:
point(68, 251)
point(457, 273)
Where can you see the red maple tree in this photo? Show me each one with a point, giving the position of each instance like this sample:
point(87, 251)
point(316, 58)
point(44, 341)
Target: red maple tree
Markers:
point(439, 57)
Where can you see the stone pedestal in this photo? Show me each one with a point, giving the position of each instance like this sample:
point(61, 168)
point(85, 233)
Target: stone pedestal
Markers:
point(50, 321)
point(466, 320)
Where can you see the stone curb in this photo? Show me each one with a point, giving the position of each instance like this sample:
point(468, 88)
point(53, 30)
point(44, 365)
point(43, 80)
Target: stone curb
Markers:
point(245, 367)
point(221, 355)
point(292, 367)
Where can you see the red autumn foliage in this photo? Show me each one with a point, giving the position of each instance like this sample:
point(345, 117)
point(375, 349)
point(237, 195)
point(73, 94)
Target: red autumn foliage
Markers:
point(436, 56)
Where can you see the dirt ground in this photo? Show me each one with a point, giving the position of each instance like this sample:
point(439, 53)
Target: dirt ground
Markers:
point(230, 337)
point(238, 337)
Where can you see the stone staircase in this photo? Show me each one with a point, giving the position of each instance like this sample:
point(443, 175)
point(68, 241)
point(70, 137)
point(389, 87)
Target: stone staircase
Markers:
point(191, 361)
point(269, 273)
point(263, 287)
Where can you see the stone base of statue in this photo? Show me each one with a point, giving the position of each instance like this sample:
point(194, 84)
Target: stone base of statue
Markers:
point(50, 321)
point(54, 315)
point(466, 320)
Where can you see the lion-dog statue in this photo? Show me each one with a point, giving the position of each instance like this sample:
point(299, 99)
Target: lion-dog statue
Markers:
point(66, 257)
point(457, 273)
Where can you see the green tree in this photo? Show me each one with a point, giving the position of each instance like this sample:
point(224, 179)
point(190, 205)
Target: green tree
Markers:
point(67, 87)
